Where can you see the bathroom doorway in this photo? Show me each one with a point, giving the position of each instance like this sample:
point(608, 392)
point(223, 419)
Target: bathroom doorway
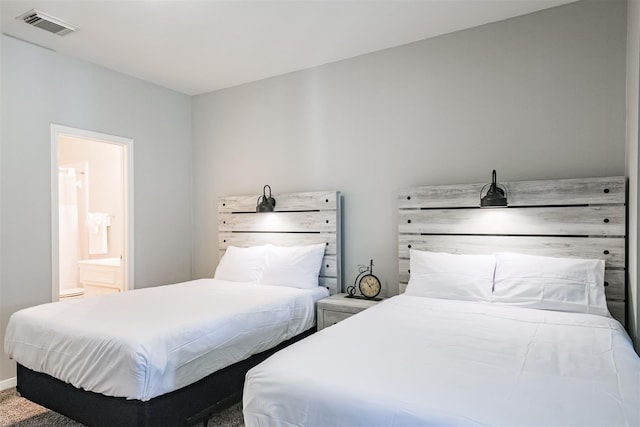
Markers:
point(91, 214)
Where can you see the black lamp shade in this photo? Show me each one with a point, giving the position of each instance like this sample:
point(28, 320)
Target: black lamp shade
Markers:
point(496, 194)
point(266, 203)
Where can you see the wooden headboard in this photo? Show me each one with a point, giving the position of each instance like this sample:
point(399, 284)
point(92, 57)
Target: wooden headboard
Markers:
point(298, 219)
point(582, 218)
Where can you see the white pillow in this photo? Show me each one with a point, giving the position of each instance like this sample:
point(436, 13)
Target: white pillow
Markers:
point(451, 276)
point(242, 264)
point(295, 266)
point(560, 284)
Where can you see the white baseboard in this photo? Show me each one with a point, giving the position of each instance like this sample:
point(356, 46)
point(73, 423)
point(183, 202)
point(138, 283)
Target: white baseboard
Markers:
point(5, 384)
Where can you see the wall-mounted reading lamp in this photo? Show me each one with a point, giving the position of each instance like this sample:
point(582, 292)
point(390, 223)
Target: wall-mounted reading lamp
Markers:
point(265, 204)
point(495, 195)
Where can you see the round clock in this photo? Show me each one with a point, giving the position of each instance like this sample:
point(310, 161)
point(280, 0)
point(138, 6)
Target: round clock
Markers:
point(369, 286)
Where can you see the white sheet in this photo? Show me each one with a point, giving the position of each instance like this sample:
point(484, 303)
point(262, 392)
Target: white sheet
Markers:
point(144, 343)
point(413, 361)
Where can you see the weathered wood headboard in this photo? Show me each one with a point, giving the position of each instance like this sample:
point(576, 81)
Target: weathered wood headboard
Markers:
point(583, 218)
point(298, 219)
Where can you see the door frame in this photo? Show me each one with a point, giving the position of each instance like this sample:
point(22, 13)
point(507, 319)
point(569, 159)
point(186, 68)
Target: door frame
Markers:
point(128, 248)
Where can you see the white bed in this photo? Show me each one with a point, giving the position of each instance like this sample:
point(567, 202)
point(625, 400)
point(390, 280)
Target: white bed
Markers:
point(174, 354)
point(482, 335)
point(148, 342)
point(432, 362)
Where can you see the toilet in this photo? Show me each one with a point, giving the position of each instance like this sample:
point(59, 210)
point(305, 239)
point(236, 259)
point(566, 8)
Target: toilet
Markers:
point(71, 293)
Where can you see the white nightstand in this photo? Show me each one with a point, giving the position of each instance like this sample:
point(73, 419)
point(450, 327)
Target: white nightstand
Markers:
point(335, 308)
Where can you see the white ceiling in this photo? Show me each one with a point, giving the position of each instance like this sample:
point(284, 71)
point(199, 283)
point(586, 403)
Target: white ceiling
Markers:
point(198, 46)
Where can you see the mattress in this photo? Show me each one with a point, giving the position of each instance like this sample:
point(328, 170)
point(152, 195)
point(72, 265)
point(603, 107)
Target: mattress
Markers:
point(420, 361)
point(144, 343)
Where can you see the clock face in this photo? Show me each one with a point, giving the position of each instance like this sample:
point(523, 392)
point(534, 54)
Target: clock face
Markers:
point(369, 286)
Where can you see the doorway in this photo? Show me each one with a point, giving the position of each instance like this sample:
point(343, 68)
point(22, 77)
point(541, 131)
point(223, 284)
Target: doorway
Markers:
point(91, 215)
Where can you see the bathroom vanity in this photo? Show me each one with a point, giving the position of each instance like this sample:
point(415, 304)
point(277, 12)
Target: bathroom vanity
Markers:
point(100, 276)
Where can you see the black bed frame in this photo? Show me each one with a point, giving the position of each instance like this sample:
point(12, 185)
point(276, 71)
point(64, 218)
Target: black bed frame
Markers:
point(183, 407)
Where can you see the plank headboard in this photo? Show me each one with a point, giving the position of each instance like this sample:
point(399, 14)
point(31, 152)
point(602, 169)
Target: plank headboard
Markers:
point(298, 219)
point(583, 218)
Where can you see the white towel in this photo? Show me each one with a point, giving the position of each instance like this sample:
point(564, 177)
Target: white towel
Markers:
point(97, 223)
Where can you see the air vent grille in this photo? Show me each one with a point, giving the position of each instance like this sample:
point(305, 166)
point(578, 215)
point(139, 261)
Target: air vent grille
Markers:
point(47, 22)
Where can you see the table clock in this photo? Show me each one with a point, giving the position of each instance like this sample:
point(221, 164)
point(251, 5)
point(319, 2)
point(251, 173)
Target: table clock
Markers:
point(367, 283)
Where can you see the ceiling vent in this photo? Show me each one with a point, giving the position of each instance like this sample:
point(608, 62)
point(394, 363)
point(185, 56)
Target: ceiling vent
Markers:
point(47, 22)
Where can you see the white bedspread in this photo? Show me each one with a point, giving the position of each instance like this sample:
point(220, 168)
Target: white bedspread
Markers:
point(147, 342)
point(413, 361)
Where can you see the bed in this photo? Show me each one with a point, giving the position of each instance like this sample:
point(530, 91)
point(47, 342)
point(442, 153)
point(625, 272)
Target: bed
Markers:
point(174, 354)
point(503, 319)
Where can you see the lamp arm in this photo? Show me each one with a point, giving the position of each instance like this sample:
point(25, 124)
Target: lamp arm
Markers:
point(494, 181)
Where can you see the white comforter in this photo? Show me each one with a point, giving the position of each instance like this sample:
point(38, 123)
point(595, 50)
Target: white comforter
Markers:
point(413, 361)
point(147, 342)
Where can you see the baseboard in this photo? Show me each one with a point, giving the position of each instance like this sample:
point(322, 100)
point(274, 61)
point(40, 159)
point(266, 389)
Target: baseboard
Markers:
point(5, 384)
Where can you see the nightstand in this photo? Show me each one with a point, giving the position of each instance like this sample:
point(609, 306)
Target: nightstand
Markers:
point(335, 308)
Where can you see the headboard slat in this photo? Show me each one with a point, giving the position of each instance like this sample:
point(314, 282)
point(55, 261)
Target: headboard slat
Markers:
point(319, 200)
point(521, 193)
point(618, 310)
point(291, 222)
point(611, 249)
point(226, 239)
point(603, 220)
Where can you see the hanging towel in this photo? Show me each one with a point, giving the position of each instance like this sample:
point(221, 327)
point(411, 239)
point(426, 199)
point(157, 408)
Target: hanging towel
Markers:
point(97, 223)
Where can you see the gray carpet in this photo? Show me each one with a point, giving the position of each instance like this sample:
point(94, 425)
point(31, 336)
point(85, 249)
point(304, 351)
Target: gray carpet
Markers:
point(19, 412)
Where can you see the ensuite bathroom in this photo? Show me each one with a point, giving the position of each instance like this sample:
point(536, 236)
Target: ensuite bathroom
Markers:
point(91, 217)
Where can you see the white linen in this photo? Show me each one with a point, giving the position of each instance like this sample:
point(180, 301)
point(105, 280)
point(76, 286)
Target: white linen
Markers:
point(144, 343)
point(412, 361)
point(97, 223)
point(451, 276)
point(296, 266)
point(550, 283)
point(242, 264)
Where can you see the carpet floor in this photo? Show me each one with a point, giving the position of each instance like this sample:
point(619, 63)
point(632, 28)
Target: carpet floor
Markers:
point(19, 412)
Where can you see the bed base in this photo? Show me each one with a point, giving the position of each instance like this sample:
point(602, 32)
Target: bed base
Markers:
point(186, 406)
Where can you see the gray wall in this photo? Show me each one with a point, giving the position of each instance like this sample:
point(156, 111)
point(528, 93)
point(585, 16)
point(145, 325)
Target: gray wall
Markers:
point(536, 97)
point(40, 87)
point(633, 86)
